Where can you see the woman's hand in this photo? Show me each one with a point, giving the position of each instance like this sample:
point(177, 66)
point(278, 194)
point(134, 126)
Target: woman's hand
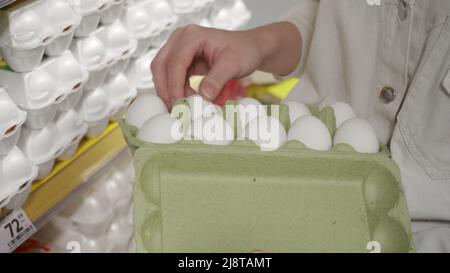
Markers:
point(222, 55)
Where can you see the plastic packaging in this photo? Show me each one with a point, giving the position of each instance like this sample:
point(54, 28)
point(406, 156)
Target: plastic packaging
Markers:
point(11, 120)
point(90, 12)
point(71, 130)
point(107, 46)
point(92, 215)
point(42, 147)
point(146, 20)
point(16, 175)
point(139, 74)
point(61, 231)
point(31, 28)
point(95, 110)
point(41, 91)
point(120, 93)
point(112, 12)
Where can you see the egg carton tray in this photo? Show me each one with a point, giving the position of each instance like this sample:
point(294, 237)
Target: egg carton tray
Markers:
point(192, 197)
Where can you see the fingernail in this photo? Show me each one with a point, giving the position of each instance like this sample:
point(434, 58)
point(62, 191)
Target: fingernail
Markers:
point(208, 93)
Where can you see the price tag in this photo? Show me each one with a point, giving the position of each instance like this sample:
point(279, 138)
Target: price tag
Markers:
point(14, 230)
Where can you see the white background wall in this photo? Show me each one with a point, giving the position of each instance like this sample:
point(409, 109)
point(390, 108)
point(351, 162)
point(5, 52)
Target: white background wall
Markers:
point(265, 11)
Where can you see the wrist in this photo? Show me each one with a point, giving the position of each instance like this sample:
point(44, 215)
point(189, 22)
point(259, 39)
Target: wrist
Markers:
point(279, 45)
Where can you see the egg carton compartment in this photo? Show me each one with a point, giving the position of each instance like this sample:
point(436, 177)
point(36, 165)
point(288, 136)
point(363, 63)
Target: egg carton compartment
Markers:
point(100, 219)
point(11, 121)
point(90, 12)
point(43, 146)
point(146, 20)
point(294, 199)
point(138, 72)
point(105, 51)
point(112, 11)
point(121, 92)
point(16, 175)
point(34, 27)
point(56, 83)
point(71, 130)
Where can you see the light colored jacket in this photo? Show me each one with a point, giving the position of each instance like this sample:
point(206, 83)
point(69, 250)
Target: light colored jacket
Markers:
point(390, 59)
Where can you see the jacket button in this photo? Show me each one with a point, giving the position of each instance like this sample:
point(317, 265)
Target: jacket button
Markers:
point(402, 9)
point(387, 94)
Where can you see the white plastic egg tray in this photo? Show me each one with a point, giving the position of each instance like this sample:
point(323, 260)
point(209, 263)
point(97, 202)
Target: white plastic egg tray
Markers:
point(58, 139)
point(146, 20)
point(93, 12)
point(35, 27)
point(101, 221)
point(106, 49)
point(138, 72)
point(57, 83)
point(16, 175)
point(108, 101)
point(11, 121)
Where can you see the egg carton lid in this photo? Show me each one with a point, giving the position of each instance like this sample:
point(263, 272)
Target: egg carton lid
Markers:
point(120, 90)
point(30, 17)
point(10, 115)
point(60, 231)
point(87, 7)
point(93, 208)
point(138, 70)
point(15, 171)
point(364, 203)
point(49, 84)
point(95, 106)
point(184, 6)
point(137, 16)
point(71, 127)
point(104, 47)
point(166, 175)
point(40, 145)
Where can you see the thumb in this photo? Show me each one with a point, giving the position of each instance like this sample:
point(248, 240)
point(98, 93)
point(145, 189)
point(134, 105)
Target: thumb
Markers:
point(222, 71)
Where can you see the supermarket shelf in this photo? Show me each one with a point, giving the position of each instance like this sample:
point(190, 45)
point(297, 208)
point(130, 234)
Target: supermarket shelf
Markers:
point(69, 179)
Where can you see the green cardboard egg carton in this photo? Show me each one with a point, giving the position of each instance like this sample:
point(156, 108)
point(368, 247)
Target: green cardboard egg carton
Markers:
point(192, 197)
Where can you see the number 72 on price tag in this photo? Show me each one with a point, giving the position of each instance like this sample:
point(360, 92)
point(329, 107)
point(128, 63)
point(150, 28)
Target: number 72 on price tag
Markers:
point(14, 230)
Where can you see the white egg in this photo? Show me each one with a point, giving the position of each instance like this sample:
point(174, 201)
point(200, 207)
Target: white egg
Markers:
point(311, 131)
point(161, 129)
point(249, 109)
point(143, 108)
point(266, 132)
point(213, 130)
point(297, 110)
point(248, 101)
point(342, 112)
point(359, 134)
point(201, 107)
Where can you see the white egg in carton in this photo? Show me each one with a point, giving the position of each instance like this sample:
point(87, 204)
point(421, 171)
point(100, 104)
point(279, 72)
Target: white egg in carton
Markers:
point(146, 21)
point(11, 121)
point(57, 83)
point(110, 100)
point(35, 27)
point(139, 72)
point(16, 175)
point(106, 51)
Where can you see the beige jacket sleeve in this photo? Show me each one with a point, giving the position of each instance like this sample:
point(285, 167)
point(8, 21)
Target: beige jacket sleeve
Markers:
point(304, 17)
